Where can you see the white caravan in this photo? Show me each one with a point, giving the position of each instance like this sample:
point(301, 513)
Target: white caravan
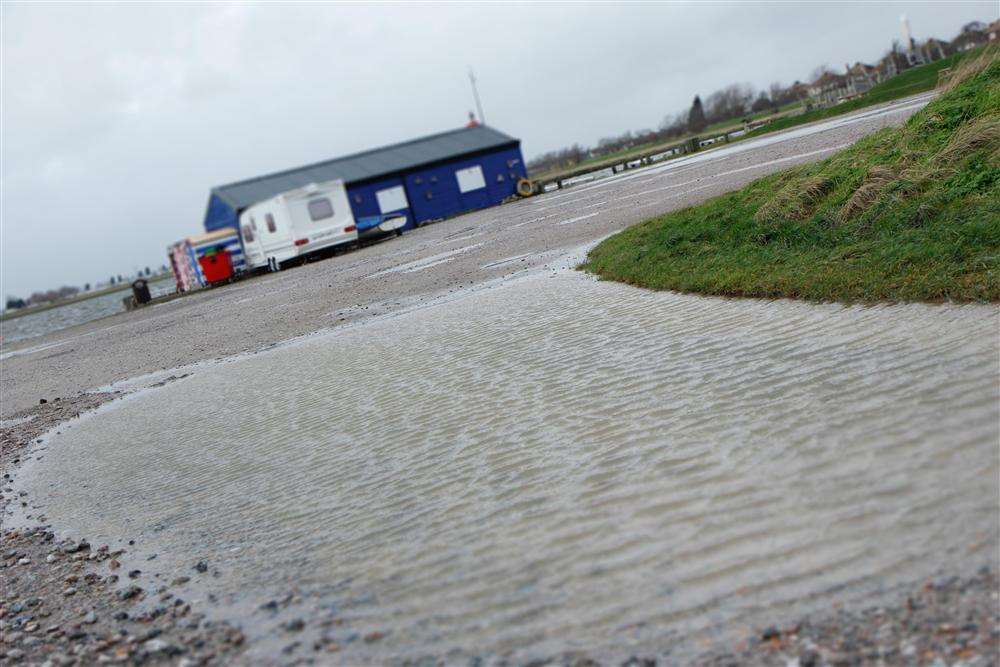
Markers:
point(296, 223)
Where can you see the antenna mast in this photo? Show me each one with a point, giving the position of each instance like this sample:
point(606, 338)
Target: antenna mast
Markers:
point(475, 94)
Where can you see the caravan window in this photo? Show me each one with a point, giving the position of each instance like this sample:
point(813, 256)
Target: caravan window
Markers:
point(271, 227)
point(247, 234)
point(320, 209)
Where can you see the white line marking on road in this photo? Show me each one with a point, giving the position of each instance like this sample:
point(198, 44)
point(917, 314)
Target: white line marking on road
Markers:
point(426, 262)
point(579, 218)
point(741, 169)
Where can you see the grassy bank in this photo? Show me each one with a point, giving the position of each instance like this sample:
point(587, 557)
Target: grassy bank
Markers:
point(909, 213)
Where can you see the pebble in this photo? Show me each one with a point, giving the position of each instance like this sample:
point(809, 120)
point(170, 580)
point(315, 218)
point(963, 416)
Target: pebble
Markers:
point(201, 566)
point(155, 645)
point(69, 591)
point(24, 561)
point(51, 558)
point(129, 593)
point(294, 625)
point(90, 618)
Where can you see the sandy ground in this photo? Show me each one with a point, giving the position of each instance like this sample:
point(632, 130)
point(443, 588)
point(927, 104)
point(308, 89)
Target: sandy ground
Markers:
point(62, 603)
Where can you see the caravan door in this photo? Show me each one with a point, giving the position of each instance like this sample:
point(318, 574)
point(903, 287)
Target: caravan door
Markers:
point(275, 230)
point(250, 236)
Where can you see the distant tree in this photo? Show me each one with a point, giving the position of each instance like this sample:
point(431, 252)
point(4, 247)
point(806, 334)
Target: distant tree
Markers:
point(15, 302)
point(86, 287)
point(824, 69)
point(696, 116)
point(673, 126)
point(120, 279)
point(731, 102)
point(762, 103)
point(111, 281)
point(147, 271)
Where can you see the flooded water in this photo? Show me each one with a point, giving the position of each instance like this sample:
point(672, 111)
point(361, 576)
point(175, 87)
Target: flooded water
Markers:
point(63, 317)
point(556, 464)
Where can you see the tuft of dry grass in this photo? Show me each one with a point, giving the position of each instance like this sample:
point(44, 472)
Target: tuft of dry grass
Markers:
point(795, 201)
point(970, 67)
point(983, 132)
point(879, 177)
point(914, 180)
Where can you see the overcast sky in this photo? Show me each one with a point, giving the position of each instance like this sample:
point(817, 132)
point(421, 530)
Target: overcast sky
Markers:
point(119, 118)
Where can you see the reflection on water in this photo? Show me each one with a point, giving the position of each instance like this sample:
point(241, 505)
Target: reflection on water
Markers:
point(561, 464)
point(62, 317)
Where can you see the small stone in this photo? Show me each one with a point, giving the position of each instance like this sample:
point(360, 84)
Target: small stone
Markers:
point(129, 593)
point(51, 558)
point(134, 574)
point(155, 645)
point(120, 616)
point(114, 564)
point(373, 637)
point(24, 561)
point(16, 653)
point(90, 618)
point(69, 591)
point(201, 566)
point(180, 581)
point(294, 625)
point(809, 658)
point(770, 633)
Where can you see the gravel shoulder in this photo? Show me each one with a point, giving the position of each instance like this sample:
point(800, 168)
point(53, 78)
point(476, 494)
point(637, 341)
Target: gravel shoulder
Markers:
point(70, 602)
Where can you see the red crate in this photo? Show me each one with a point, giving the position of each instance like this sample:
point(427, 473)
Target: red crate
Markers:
point(216, 267)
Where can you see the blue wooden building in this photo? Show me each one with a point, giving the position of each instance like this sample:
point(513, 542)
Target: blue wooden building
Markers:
point(424, 179)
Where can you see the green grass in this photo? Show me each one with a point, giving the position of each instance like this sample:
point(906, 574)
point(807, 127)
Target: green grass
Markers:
point(907, 214)
point(911, 82)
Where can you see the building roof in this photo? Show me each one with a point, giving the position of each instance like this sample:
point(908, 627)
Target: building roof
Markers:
point(367, 165)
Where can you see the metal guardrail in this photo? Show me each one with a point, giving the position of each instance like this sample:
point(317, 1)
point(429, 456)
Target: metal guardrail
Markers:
point(663, 152)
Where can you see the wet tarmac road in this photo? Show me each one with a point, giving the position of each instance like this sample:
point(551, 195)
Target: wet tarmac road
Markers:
point(422, 265)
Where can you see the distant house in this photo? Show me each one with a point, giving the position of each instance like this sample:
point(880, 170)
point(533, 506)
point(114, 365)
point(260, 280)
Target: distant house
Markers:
point(828, 88)
point(861, 77)
point(993, 31)
point(892, 64)
point(973, 35)
point(934, 49)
